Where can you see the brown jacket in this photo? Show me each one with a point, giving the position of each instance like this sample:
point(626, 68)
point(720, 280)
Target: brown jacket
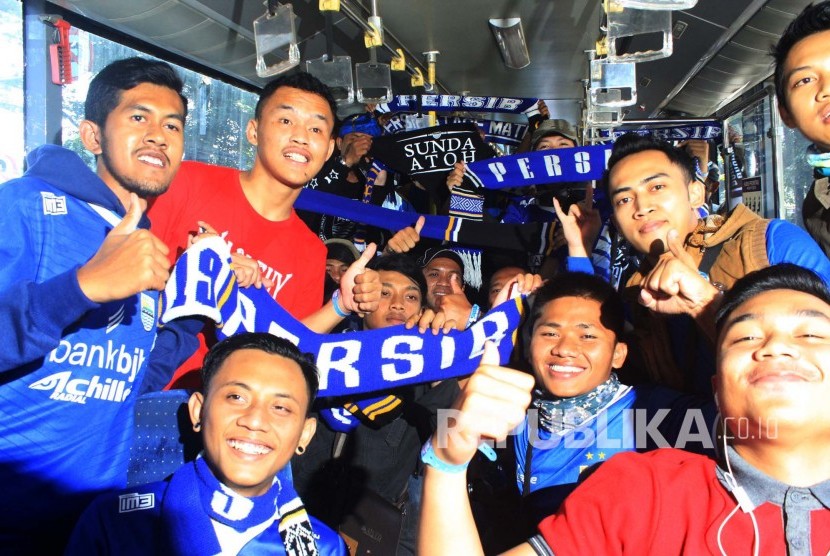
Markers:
point(741, 236)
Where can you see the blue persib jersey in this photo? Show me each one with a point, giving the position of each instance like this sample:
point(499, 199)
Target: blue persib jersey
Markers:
point(69, 368)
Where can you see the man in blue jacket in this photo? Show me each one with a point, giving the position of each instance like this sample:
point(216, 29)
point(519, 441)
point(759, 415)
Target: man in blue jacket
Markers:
point(79, 280)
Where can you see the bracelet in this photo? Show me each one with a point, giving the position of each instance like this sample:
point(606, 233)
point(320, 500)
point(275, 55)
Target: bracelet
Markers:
point(335, 301)
point(474, 314)
point(429, 457)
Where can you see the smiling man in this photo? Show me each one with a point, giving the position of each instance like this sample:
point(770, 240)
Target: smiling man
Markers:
point(253, 210)
point(802, 78)
point(237, 496)
point(769, 492)
point(79, 280)
point(687, 261)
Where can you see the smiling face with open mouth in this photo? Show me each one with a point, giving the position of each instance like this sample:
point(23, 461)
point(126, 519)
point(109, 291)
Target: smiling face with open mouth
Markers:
point(141, 144)
point(773, 353)
point(293, 136)
point(571, 351)
point(252, 418)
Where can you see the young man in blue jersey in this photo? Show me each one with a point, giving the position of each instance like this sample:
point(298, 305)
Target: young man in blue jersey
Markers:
point(802, 77)
point(79, 280)
point(238, 496)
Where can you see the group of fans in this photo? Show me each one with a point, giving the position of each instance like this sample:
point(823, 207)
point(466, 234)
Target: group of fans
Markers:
point(639, 305)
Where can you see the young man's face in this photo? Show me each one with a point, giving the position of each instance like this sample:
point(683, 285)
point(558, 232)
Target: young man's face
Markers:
point(807, 85)
point(554, 142)
point(141, 144)
point(773, 364)
point(499, 279)
point(253, 417)
point(400, 298)
point(293, 135)
point(440, 273)
point(650, 196)
point(336, 269)
point(571, 352)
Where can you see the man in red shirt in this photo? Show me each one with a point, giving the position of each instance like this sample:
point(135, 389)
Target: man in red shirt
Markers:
point(253, 210)
point(771, 489)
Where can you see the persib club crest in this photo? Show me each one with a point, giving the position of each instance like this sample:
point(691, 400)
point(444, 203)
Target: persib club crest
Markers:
point(148, 311)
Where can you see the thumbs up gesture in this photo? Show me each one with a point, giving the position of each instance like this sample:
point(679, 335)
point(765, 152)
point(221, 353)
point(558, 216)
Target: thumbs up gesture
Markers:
point(129, 261)
point(359, 287)
point(490, 405)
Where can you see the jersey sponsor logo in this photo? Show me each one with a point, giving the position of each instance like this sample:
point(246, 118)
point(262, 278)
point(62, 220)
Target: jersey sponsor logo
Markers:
point(134, 501)
point(78, 390)
point(53, 205)
point(148, 311)
point(109, 357)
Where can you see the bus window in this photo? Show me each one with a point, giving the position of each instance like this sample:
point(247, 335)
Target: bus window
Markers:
point(217, 112)
point(796, 175)
point(11, 90)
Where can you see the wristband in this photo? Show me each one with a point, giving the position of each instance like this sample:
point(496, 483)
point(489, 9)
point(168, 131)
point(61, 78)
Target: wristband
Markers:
point(335, 301)
point(474, 314)
point(429, 457)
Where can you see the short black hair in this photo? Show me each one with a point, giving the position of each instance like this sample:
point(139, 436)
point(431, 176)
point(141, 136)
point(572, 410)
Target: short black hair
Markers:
point(815, 18)
point(631, 143)
point(303, 81)
point(105, 89)
point(578, 284)
point(264, 342)
point(783, 276)
point(404, 264)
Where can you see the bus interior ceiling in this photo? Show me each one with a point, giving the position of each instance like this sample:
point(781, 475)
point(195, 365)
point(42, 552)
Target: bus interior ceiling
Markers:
point(722, 51)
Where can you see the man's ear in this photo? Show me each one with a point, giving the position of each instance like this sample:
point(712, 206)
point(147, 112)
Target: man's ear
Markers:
point(697, 194)
point(194, 407)
point(786, 117)
point(309, 428)
point(620, 353)
point(91, 136)
point(250, 131)
point(331, 148)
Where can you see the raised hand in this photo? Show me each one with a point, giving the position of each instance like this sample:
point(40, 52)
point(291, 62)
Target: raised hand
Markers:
point(581, 225)
point(129, 261)
point(405, 239)
point(360, 287)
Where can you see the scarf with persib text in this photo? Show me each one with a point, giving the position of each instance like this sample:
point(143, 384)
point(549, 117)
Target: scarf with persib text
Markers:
point(708, 131)
point(504, 133)
point(350, 363)
point(534, 237)
point(457, 103)
point(427, 155)
point(546, 166)
point(195, 497)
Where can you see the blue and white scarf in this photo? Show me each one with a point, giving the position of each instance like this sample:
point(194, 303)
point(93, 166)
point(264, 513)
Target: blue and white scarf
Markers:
point(195, 496)
point(559, 415)
point(351, 363)
point(709, 131)
point(457, 103)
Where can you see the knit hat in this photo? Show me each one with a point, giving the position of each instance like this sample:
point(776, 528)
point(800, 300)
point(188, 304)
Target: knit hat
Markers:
point(553, 127)
point(341, 250)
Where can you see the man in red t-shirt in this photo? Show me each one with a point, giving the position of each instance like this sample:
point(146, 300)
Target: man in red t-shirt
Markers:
point(771, 491)
point(253, 210)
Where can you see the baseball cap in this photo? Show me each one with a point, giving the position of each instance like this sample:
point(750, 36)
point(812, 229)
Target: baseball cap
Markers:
point(441, 253)
point(341, 250)
point(553, 127)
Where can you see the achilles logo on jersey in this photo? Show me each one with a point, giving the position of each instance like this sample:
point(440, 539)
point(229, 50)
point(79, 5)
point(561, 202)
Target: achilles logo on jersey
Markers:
point(78, 390)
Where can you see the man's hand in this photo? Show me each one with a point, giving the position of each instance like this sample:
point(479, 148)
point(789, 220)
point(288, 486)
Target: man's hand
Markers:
point(674, 285)
point(455, 305)
point(543, 109)
point(405, 239)
point(581, 225)
point(354, 147)
point(456, 175)
point(525, 285)
point(245, 268)
point(129, 261)
point(359, 287)
point(490, 405)
point(429, 319)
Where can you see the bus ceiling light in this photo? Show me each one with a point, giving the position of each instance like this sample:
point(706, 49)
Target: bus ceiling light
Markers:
point(511, 41)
